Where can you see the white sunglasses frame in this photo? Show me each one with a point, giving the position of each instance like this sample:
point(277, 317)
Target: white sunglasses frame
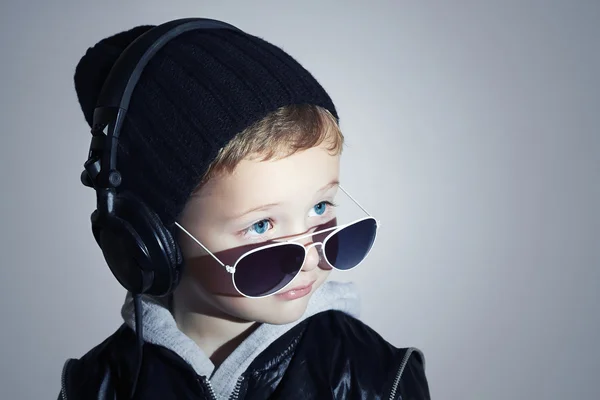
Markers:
point(335, 230)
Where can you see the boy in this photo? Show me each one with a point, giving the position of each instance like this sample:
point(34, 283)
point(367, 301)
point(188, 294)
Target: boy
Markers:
point(236, 148)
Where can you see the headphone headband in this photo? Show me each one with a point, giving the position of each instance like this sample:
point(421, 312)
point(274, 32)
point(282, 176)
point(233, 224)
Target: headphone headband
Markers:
point(114, 98)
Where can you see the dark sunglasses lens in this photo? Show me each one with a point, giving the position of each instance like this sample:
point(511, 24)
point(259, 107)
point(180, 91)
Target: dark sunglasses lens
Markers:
point(348, 247)
point(266, 271)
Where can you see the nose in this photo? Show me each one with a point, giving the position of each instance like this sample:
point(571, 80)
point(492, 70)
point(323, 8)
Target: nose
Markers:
point(312, 258)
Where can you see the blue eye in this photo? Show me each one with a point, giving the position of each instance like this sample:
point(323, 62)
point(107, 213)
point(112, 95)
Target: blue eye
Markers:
point(320, 208)
point(260, 227)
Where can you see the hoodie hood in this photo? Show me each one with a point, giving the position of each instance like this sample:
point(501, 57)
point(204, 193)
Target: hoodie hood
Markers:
point(161, 329)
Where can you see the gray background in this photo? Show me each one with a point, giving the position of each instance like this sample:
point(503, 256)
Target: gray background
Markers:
point(473, 133)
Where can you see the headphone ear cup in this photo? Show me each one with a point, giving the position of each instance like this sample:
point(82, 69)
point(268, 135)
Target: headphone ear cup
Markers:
point(124, 251)
point(137, 247)
point(176, 251)
point(173, 271)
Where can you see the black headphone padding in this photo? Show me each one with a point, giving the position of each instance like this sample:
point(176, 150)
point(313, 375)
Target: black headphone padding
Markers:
point(139, 250)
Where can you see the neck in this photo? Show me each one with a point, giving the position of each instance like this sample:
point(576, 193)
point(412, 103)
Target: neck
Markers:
point(216, 333)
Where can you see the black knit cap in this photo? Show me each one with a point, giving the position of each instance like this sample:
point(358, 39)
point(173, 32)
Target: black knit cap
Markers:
point(193, 97)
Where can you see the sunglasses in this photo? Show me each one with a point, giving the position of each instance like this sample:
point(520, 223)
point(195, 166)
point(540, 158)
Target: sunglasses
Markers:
point(269, 269)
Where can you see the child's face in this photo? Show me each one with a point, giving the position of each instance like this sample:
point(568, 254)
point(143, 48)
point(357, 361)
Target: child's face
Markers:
point(290, 197)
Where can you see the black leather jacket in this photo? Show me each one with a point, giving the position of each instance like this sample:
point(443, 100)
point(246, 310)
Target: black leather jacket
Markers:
point(330, 355)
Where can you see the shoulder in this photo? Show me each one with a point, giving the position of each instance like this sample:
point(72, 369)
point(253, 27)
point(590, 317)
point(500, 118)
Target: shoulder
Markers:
point(89, 376)
point(336, 329)
point(345, 342)
point(112, 369)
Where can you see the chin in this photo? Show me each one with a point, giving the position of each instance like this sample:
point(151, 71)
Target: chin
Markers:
point(284, 312)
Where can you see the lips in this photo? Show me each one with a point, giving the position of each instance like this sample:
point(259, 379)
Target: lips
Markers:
point(296, 292)
point(300, 287)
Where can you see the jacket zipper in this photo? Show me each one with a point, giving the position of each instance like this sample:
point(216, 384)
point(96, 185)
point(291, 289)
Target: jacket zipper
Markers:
point(234, 395)
point(399, 374)
point(211, 391)
point(63, 380)
point(236, 390)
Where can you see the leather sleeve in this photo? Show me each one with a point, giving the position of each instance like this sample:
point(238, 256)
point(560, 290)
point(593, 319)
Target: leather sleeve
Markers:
point(413, 384)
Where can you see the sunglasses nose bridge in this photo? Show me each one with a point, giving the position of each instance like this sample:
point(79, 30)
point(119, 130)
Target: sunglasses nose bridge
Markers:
point(313, 244)
point(312, 260)
point(319, 248)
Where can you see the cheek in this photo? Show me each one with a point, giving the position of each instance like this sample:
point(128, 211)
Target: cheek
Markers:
point(206, 272)
point(322, 276)
point(213, 278)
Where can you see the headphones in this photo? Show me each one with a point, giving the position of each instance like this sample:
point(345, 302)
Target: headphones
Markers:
point(139, 250)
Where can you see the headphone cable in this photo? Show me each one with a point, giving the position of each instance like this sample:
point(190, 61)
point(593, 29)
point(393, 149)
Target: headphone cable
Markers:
point(137, 305)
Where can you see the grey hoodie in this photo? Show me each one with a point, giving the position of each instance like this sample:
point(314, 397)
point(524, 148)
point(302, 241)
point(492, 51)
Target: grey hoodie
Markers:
point(161, 329)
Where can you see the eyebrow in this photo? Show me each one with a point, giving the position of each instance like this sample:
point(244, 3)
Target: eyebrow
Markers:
point(267, 206)
point(329, 185)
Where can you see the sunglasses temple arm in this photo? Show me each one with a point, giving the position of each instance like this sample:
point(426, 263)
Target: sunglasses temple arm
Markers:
point(354, 200)
point(201, 245)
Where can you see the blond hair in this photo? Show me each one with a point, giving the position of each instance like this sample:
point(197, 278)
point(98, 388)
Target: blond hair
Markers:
point(281, 133)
